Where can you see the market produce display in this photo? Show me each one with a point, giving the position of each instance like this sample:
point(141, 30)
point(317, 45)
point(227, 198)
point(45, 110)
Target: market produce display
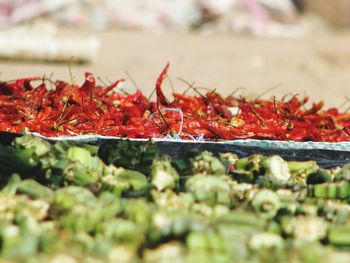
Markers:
point(56, 108)
point(122, 202)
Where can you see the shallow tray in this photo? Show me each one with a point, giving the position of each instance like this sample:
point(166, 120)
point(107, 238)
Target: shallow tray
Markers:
point(327, 155)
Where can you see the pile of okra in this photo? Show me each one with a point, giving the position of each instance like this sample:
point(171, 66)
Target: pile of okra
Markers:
point(123, 202)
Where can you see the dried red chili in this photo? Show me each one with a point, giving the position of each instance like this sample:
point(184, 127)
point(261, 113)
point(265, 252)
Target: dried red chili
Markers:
point(93, 109)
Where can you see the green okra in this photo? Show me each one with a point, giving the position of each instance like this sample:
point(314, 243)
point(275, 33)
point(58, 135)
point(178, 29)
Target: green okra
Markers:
point(34, 190)
point(197, 240)
point(122, 253)
point(49, 242)
point(97, 165)
point(266, 241)
point(128, 154)
point(69, 206)
point(339, 235)
point(311, 190)
point(125, 182)
point(110, 170)
point(78, 174)
point(338, 190)
point(113, 185)
point(163, 175)
point(169, 224)
point(277, 170)
point(80, 220)
point(139, 212)
point(180, 225)
point(300, 171)
point(20, 241)
point(12, 184)
point(123, 231)
point(171, 201)
point(307, 209)
point(304, 228)
point(242, 219)
point(343, 173)
point(286, 223)
point(321, 190)
point(80, 155)
point(274, 228)
point(40, 147)
point(332, 191)
point(251, 163)
point(343, 189)
point(308, 228)
point(209, 188)
point(266, 203)
point(207, 163)
point(243, 176)
point(319, 177)
point(82, 242)
point(334, 210)
point(248, 169)
point(67, 198)
point(302, 166)
point(61, 148)
point(228, 160)
point(172, 251)
point(138, 183)
point(22, 162)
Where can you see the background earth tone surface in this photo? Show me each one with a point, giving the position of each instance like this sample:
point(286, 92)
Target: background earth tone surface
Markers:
point(318, 66)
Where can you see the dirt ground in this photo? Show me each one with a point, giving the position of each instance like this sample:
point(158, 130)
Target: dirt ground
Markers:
point(317, 66)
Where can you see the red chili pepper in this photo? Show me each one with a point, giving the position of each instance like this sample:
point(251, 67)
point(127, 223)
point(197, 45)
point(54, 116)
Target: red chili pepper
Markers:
point(89, 85)
point(109, 88)
point(161, 99)
point(69, 110)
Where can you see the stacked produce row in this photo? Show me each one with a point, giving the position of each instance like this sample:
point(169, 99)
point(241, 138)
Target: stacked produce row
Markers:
point(126, 201)
point(123, 202)
point(57, 108)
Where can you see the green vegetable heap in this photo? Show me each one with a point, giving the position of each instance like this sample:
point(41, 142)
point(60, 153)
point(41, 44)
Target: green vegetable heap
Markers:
point(122, 202)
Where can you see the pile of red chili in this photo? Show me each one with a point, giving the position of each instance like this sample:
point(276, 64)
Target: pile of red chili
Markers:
point(67, 109)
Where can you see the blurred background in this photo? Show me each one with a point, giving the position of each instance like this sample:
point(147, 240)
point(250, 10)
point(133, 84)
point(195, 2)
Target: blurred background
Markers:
point(276, 47)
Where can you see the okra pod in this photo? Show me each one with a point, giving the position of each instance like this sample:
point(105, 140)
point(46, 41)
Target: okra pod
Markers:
point(339, 235)
point(34, 190)
point(266, 203)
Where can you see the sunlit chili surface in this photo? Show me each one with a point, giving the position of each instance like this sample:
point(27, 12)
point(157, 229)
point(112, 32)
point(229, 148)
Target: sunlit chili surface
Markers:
point(60, 108)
